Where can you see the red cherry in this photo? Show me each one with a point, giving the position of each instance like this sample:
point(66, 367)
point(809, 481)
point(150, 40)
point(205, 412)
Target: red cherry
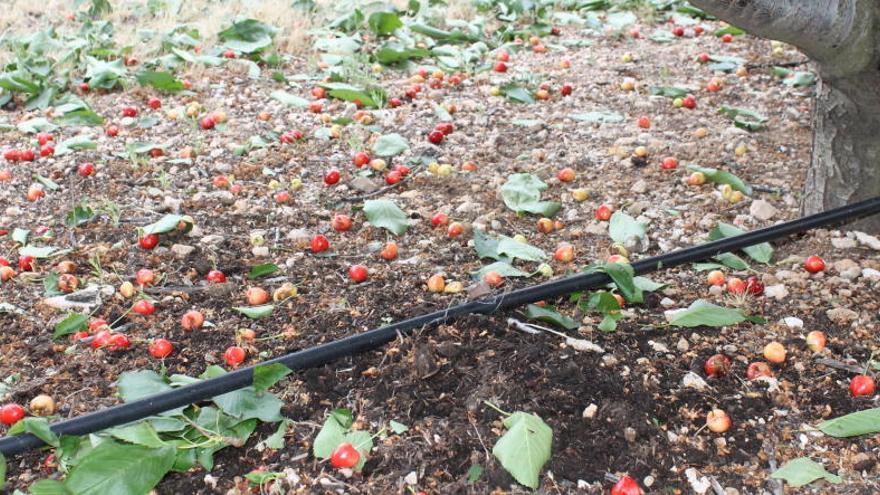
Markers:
point(11, 414)
point(669, 163)
point(754, 286)
point(234, 356)
point(28, 155)
point(160, 348)
point(360, 159)
point(717, 365)
point(703, 58)
point(566, 90)
point(445, 127)
point(500, 67)
point(216, 277)
point(149, 241)
point(229, 54)
point(435, 137)
point(145, 277)
point(207, 122)
point(316, 107)
point(603, 213)
point(345, 456)
point(644, 122)
point(626, 486)
point(118, 342)
point(502, 56)
point(862, 386)
point(84, 86)
point(26, 263)
point(129, 112)
point(689, 102)
point(393, 177)
point(101, 339)
point(341, 223)
point(154, 103)
point(394, 102)
point(331, 177)
point(814, 264)
point(678, 31)
point(439, 219)
point(727, 38)
point(144, 307)
point(112, 131)
point(12, 155)
point(47, 150)
point(358, 273)
point(86, 169)
point(758, 369)
point(44, 137)
point(319, 244)
point(318, 92)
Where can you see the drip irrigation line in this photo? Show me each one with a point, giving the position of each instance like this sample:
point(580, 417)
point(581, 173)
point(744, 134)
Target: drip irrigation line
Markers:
point(354, 344)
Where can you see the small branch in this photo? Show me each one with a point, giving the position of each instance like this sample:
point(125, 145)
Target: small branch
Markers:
point(840, 365)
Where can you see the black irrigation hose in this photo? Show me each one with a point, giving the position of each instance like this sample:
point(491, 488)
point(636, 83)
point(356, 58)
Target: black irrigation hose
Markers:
point(325, 353)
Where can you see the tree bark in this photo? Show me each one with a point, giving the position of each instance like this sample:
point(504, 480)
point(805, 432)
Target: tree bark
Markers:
point(843, 37)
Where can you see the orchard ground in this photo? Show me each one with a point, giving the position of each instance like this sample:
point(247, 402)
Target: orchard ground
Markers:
point(634, 408)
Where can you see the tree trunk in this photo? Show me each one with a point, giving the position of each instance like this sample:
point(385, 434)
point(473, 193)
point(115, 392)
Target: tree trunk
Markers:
point(843, 38)
point(845, 167)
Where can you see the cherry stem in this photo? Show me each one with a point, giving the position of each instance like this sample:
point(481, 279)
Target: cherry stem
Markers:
point(868, 363)
point(496, 408)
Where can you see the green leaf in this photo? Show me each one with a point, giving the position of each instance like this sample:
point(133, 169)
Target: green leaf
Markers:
point(386, 214)
point(384, 23)
point(390, 145)
point(134, 385)
point(245, 403)
point(79, 215)
point(852, 425)
point(762, 253)
point(524, 448)
point(141, 433)
point(725, 63)
point(397, 427)
point(73, 323)
point(40, 252)
point(347, 92)
point(520, 250)
point(262, 270)
point(162, 81)
point(744, 118)
point(800, 79)
point(597, 117)
point(550, 315)
point(47, 182)
point(256, 312)
point(267, 375)
point(104, 75)
point(702, 313)
point(487, 247)
point(503, 268)
point(622, 227)
point(50, 284)
point(474, 473)
point(119, 468)
point(247, 35)
point(670, 91)
point(622, 274)
point(289, 99)
point(35, 125)
point(393, 52)
point(646, 284)
point(803, 471)
point(83, 117)
point(169, 223)
point(332, 433)
point(517, 93)
point(522, 194)
point(2, 471)
point(362, 441)
point(48, 487)
point(39, 427)
point(76, 143)
point(275, 441)
point(731, 260)
point(722, 177)
point(732, 30)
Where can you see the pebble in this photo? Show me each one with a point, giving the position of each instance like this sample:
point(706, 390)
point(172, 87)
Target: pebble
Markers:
point(871, 274)
point(683, 345)
point(848, 269)
point(609, 360)
point(841, 316)
point(260, 251)
point(641, 186)
point(792, 322)
point(762, 210)
point(212, 240)
point(629, 433)
point(843, 243)
point(182, 250)
point(590, 411)
point(778, 292)
point(694, 381)
point(667, 302)
point(658, 346)
point(868, 240)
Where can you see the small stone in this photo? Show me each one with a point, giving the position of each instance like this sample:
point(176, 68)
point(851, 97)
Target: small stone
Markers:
point(841, 316)
point(260, 251)
point(212, 240)
point(658, 346)
point(694, 381)
point(717, 290)
point(411, 479)
point(609, 360)
point(182, 250)
point(629, 433)
point(590, 411)
point(667, 302)
point(683, 345)
point(843, 243)
point(363, 184)
point(871, 274)
point(792, 322)
point(777, 292)
point(868, 240)
point(762, 210)
point(639, 187)
point(848, 269)
point(648, 481)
